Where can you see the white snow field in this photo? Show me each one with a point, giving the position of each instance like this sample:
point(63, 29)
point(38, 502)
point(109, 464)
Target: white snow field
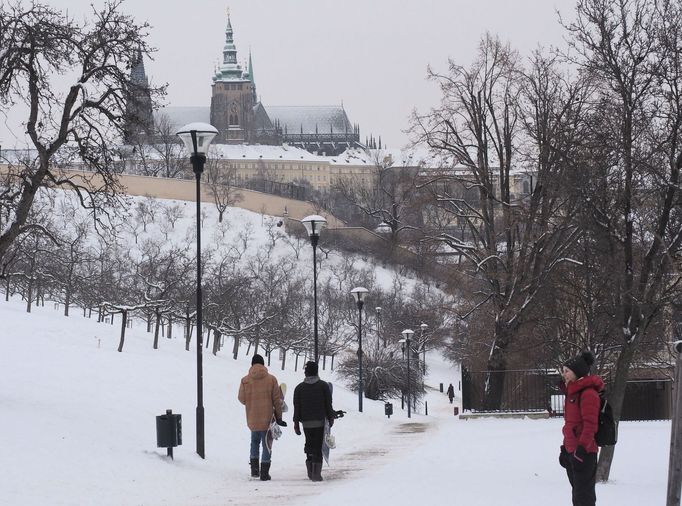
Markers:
point(77, 420)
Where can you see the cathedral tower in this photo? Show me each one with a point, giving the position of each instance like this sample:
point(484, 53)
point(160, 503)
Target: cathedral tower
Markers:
point(234, 96)
point(139, 122)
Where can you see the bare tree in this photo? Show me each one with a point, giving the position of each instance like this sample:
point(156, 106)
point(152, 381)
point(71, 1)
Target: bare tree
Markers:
point(496, 119)
point(387, 197)
point(221, 177)
point(632, 50)
point(40, 45)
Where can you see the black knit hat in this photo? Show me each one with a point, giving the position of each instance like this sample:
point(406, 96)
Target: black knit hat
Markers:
point(257, 359)
point(581, 364)
point(310, 369)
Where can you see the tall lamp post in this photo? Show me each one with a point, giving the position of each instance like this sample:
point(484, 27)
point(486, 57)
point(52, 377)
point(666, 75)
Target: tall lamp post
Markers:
point(407, 335)
point(359, 295)
point(423, 327)
point(378, 310)
point(197, 137)
point(314, 225)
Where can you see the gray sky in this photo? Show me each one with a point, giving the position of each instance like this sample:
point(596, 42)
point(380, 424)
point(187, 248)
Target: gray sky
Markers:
point(370, 54)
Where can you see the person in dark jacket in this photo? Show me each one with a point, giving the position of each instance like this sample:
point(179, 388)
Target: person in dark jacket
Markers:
point(451, 393)
point(578, 454)
point(312, 406)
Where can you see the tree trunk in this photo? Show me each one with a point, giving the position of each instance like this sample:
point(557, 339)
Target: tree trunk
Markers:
point(284, 358)
point(29, 294)
point(188, 332)
point(67, 300)
point(170, 326)
point(123, 329)
point(216, 341)
point(156, 328)
point(616, 398)
point(496, 370)
point(235, 348)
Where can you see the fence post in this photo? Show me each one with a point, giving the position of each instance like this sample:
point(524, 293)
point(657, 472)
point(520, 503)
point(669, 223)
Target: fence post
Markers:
point(675, 465)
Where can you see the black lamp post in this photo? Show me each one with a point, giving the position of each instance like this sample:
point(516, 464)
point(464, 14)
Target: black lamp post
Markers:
point(359, 295)
point(423, 327)
point(197, 137)
point(407, 335)
point(314, 225)
point(378, 311)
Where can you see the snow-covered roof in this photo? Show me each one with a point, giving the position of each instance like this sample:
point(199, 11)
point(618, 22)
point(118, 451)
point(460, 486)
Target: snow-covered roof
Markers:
point(259, 151)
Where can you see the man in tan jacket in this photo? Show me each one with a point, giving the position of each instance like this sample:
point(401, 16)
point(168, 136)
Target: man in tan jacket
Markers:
point(260, 393)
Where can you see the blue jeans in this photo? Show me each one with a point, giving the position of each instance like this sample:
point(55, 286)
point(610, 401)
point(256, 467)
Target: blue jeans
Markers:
point(258, 437)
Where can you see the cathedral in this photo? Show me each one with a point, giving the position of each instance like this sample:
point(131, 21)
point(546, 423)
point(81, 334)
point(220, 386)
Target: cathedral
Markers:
point(241, 118)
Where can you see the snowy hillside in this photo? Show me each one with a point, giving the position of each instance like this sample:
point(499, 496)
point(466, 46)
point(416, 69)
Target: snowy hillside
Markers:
point(78, 418)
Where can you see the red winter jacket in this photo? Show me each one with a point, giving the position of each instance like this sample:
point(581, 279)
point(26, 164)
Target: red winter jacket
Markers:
point(581, 413)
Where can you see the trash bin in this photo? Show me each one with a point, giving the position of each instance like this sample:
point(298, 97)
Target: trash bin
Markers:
point(456, 410)
point(388, 409)
point(168, 430)
point(441, 388)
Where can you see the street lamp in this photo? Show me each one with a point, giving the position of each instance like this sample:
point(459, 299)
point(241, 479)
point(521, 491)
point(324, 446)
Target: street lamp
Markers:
point(359, 295)
point(378, 310)
point(407, 335)
point(314, 225)
point(197, 137)
point(423, 327)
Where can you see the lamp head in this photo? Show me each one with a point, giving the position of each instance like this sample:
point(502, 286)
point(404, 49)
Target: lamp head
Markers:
point(314, 224)
point(359, 293)
point(407, 334)
point(197, 137)
point(423, 326)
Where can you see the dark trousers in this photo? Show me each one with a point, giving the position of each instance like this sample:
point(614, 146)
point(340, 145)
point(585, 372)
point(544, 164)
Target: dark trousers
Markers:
point(313, 443)
point(583, 480)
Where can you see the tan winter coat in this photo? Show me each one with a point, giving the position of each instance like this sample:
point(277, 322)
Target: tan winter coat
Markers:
point(259, 392)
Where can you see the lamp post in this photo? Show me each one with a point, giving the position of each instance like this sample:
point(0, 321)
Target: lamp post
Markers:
point(407, 335)
point(197, 137)
point(314, 225)
point(423, 327)
point(378, 311)
point(359, 295)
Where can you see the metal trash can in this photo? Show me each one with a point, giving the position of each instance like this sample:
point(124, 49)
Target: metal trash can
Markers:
point(456, 410)
point(388, 409)
point(441, 388)
point(169, 431)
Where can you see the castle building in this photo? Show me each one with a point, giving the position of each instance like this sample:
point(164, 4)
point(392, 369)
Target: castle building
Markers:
point(241, 118)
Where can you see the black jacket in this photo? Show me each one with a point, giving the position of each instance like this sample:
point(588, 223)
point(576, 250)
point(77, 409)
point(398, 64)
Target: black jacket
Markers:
point(313, 402)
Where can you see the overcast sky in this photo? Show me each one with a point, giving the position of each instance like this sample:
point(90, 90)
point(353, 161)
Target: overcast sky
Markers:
point(369, 54)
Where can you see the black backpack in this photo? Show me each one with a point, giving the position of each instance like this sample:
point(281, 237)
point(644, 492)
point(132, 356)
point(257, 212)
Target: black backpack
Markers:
point(607, 433)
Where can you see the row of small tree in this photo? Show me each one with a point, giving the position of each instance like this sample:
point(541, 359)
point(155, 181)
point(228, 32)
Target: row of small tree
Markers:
point(143, 267)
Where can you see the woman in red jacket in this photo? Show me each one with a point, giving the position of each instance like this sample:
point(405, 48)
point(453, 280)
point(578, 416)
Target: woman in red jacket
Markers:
point(581, 420)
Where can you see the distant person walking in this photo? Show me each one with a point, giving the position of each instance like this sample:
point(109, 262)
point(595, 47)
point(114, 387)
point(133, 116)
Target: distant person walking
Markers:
point(312, 405)
point(259, 392)
point(451, 393)
point(578, 454)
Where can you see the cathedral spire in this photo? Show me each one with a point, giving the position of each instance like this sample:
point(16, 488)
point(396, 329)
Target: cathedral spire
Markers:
point(230, 70)
point(253, 79)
